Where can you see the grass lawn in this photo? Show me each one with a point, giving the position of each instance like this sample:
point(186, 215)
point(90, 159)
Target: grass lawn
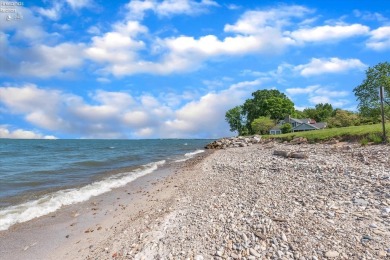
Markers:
point(363, 134)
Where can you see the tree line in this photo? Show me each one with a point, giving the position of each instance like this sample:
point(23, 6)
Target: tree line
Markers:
point(266, 107)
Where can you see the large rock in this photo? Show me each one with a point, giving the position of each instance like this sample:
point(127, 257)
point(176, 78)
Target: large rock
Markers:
point(231, 142)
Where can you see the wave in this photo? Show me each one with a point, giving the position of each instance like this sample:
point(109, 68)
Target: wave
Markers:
point(52, 202)
point(189, 155)
point(193, 153)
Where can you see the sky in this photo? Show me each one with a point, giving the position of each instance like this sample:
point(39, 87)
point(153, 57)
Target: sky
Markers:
point(171, 69)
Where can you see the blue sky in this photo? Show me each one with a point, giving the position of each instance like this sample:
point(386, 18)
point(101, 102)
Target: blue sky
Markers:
point(171, 69)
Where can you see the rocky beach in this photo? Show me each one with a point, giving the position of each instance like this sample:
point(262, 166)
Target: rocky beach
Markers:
point(261, 200)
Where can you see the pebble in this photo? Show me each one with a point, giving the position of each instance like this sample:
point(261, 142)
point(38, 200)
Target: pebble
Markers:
point(254, 252)
point(247, 203)
point(332, 254)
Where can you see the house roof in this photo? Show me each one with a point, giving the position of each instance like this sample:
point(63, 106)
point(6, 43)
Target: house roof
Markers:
point(303, 124)
point(320, 125)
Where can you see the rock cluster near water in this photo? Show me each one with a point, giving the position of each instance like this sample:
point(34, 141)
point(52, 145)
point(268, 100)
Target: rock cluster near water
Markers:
point(255, 203)
point(231, 142)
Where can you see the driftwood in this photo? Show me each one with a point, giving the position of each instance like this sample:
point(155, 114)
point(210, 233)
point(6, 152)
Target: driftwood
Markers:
point(286, 154)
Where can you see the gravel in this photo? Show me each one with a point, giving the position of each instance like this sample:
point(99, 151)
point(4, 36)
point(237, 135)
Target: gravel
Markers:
point(250, 203)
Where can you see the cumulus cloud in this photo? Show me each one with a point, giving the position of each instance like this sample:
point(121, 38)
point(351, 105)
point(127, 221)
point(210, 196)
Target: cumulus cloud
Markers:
point(78, 4)
point(328, 33)
point(319, 94)
point(298, 91)
point(380, 39)
point(28, 30)
point(331, 65)
point(206, 115)
point(52, 13)
point(58, 7)
point(21, 134)
point(43, 61)
point(254, 32)
point(121, 115)
point(137, 8)
point(257, 22)
point(370, 16)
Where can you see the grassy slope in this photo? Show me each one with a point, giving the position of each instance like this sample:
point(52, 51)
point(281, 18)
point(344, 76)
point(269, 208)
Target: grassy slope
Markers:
point(371, 133)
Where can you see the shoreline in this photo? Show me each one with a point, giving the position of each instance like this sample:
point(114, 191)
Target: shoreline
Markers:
point(250, 202)
point(80, 224)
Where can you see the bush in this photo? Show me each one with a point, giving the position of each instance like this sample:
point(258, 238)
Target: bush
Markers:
point(375, 138)
point(262, 125)
point(286, 128)
point(364, 141)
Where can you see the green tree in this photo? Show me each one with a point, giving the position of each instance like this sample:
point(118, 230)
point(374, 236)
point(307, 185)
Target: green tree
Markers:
point(324, 111)
point(310, 113)
point(367, 93)
point(236, 120)
point(299, 114)
point(343, 118)
point(320, 113)
point(286, 128)
point(268, 103)
point(262, 125)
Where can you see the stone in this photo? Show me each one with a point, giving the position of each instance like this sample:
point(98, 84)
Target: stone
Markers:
point(284, 238)
point(199, 257)
point(332, 254)
point(254, 252)
point(360, 202)
point(373, 225)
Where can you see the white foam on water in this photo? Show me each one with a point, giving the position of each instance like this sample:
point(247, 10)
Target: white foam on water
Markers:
point(189, 155)
point(193, 153)
point(52, 202)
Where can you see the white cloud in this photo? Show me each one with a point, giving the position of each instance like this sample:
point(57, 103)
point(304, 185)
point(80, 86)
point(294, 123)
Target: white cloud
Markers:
point(264, 31)
point(331, 65)
point(337, 103)
point(119, 47)
point(52, 13)
point(316, 94)
point(207, 115)
point(45, 61)
point(298, 91)
point(58, 7)
point(28, 30)
point(255, 32)
point(94, 30)
point(258, 22)
point(137, 8)
point(121, 115)
point(328, 33)
point(380, 39)
point(21, 134)
point(42, 61)
point(370, 16)
point(78, 4)
point(233, 7)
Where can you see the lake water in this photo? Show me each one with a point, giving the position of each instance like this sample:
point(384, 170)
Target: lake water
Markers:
point(39, 176)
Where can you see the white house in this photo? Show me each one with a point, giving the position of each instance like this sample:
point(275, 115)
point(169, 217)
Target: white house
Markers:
point(298, 125)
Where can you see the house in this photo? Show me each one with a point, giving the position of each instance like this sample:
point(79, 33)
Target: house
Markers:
point(305, 124)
